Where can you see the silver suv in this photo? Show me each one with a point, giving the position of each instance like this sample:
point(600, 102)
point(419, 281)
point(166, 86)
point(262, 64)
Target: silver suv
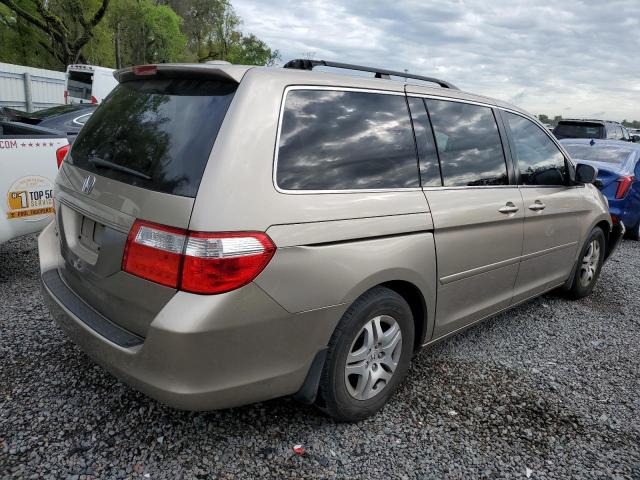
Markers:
point(228, 234)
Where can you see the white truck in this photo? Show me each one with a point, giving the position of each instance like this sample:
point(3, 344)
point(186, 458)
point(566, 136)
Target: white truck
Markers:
point(29, 160)
point(88, 83)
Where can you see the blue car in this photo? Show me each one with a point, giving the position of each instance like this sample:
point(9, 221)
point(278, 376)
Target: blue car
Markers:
point(618, 173)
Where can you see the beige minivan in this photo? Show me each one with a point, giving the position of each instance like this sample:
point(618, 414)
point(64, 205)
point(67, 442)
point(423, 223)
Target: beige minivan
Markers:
point(229, 234)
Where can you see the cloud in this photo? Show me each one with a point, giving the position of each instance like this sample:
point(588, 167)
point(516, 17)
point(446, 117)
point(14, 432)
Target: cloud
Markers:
point(545, 56)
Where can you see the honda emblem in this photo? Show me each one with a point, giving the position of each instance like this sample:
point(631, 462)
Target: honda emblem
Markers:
point(88, 184)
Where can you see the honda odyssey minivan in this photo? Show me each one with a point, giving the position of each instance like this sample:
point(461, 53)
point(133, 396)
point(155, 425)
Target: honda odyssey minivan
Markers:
point(229, 234)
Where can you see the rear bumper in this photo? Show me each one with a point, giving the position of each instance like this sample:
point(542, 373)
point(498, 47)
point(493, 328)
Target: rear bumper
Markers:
point(615, 238)
point(200, 352)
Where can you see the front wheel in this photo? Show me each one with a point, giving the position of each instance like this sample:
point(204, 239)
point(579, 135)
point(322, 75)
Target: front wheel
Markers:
point(589, 265)
point(368, 355)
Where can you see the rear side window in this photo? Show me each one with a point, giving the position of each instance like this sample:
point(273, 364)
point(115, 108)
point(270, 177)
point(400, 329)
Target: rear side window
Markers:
point(469, 144)
point(579, 130)
point(155, 134)
point(540, 161)
point(344, 140)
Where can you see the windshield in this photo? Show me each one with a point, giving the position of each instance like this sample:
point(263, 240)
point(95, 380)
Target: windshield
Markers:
point(598, 154)
point(155, 134)
point(579, 130)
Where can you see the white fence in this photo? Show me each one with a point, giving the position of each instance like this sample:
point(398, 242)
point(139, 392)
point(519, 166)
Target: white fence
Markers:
point(30, 89)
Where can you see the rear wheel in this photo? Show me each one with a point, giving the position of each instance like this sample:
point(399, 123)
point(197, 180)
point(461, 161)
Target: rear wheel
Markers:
point(589, 265)
point(368, 355)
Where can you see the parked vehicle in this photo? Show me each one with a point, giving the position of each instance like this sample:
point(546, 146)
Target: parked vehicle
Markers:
point(634, 133)
point(618, 175)
point(88, 83)
point(28, 158)
point(68, 119)
point(596, 129)
point(209, 270)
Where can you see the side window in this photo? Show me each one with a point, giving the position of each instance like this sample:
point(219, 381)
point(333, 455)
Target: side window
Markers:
point(468, 144)
point(343, 140)
point(427, 154)
point(611, 133)
point(539, 159)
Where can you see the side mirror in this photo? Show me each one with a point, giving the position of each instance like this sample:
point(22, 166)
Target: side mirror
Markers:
point(586, 173)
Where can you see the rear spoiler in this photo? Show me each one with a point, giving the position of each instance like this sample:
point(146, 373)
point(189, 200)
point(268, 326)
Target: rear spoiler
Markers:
point(230, 73)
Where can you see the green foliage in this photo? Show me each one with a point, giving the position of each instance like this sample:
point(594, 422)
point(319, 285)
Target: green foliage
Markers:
point(119, 33)
point(146, 32)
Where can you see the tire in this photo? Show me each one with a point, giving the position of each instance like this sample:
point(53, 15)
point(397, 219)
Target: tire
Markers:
point(634, 233)
point(355, 396)
point(587, 271)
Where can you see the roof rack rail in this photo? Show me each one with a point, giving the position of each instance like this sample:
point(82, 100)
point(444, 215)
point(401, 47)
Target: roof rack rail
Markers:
point(305, 64)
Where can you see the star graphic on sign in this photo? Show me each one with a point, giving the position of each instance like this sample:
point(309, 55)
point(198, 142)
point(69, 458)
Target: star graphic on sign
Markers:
point(51, 144)
point(23, 144)
point(31, 144)
point(37, 144)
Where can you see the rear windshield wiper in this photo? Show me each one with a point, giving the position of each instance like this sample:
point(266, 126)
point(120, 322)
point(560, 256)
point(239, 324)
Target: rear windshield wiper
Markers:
point(99, 162)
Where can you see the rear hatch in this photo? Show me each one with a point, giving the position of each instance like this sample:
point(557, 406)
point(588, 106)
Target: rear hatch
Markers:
point(140, 156)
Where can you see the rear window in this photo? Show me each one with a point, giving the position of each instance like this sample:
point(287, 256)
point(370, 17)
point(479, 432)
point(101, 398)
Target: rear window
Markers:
point(579, 130)
point(155, 134)
point(598, 154)
point(344, 140)
point(79, 85)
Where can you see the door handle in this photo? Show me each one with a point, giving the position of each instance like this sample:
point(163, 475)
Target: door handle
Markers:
point(537, 206)
point(510, 207)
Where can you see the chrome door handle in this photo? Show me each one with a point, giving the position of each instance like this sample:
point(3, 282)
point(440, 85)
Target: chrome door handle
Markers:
point(510, 207)
point(537, 206)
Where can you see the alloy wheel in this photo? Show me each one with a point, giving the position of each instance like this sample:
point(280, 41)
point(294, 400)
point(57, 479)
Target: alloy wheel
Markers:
point(590, 263)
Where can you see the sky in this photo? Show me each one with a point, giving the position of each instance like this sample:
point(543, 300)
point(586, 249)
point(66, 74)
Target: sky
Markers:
point(575, 58)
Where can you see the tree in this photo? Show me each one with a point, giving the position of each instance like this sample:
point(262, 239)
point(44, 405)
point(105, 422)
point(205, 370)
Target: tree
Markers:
point(64, 23)
point(213, 32)
point(144, 32)
point(543, 118)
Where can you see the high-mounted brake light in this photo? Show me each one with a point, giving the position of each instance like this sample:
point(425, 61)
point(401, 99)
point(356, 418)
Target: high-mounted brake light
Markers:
point(624, 183)
point(198, 262)
point(145, 70)
point(61, 154)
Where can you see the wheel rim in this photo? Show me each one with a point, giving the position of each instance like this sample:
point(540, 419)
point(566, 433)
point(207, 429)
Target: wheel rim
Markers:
point(373, 357)
point(590, 263)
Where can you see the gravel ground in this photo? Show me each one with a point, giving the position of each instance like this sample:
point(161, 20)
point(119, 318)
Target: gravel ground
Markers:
point(547, 390)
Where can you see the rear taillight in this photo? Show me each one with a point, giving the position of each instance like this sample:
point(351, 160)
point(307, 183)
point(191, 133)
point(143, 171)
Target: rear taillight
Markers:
point(61, 153)
point(624, 183)
point(614, 219)
point(94, 100)
point(220, 262)
point(66, 97)
point(198, 262)
point(154, 252)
